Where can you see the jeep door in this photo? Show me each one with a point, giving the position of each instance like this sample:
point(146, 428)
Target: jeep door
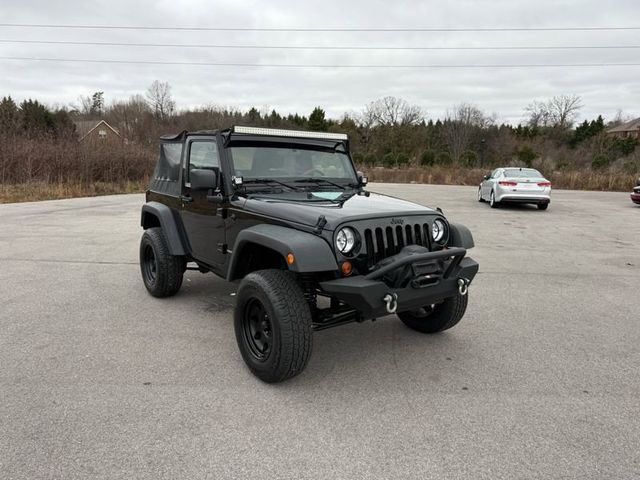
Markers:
point(201, 218)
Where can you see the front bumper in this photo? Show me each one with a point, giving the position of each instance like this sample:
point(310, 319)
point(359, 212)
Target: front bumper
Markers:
point(433, 277)
point(635, 198)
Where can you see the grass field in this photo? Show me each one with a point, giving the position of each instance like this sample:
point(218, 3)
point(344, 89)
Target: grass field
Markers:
point(30, 192)
point(437, 175)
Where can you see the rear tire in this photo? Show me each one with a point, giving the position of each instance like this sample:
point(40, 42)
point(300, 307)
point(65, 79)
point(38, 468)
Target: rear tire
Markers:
point(272, 322)
point(161, 272)
point(543, 206)
point(436, 318)
point(492, 200)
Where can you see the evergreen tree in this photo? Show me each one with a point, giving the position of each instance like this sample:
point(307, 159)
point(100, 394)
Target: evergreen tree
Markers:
point(254, 115)
point(35, 117)
point(97, 103)
point(317, 120)
point(8, 114)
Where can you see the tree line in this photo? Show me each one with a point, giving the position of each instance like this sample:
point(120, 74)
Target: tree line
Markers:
point(388, 132)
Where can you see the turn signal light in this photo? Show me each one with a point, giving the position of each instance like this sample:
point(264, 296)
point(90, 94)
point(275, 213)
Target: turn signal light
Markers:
point(544, 184)
point(346, 268)
point(290, 259)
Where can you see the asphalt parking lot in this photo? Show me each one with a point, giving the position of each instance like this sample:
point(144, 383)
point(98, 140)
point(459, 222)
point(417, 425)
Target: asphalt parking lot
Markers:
point(541, 379)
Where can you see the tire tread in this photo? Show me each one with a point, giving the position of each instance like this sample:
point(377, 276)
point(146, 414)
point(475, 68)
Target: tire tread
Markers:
point(446, 316)
point(170, 269)
point(294, 318)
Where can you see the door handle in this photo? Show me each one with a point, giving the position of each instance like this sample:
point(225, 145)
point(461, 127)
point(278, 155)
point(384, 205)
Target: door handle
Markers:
point(186, 198)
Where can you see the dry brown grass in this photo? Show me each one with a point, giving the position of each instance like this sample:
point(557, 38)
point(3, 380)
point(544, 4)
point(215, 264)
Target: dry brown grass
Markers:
point(445, 175)
point(31, 192)
point(439, 175)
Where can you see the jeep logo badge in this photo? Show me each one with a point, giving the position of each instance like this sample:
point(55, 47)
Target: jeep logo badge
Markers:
point(397, 221)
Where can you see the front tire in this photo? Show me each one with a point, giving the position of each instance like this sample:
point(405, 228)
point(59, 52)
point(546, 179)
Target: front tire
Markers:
point(436, 318)
point(272, 322)
point(161, 272)
point(543, 206)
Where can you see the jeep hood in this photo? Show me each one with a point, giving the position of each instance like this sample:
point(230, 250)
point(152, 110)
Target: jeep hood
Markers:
point(357, 207)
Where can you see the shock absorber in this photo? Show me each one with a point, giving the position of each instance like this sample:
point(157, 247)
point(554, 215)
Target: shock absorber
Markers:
point(307, 283)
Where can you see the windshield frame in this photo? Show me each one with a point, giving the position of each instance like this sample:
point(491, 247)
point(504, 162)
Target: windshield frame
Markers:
point(335, 147)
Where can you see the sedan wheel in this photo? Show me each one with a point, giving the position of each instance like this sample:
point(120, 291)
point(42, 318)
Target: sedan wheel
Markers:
point(492, 200)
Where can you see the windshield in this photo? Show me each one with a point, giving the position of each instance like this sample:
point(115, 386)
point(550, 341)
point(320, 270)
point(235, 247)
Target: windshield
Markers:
point(268, 162)
point(524, 173)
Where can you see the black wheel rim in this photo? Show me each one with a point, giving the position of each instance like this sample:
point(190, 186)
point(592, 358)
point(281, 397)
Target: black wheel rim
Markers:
point(257, 329)
point(149, 264)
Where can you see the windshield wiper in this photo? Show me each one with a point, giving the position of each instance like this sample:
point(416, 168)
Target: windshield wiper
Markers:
point(322, 180)
point(271, 180)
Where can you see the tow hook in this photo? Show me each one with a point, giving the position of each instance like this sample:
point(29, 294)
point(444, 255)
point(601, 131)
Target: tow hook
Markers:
point(391, 299)
point(463, 286)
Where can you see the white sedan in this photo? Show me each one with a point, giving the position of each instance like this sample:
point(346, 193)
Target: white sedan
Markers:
point(515, 185)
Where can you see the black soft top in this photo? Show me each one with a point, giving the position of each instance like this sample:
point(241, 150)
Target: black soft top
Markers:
point(166, 176)
point(179, 137)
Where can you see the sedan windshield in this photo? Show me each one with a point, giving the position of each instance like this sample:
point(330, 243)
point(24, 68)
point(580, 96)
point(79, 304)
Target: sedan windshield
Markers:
point(522, 173)
point(292, 163)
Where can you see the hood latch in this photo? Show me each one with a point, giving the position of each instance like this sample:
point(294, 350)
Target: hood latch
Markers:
point(322, 221)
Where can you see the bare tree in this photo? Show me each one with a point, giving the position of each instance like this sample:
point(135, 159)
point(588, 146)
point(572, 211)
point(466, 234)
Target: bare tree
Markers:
point(564, 110)
point(460, 125)
point(538, 114)
point(620, 118)
point(392, 111)
point(559, 111)
point(160, 100)
point(129, 116)
point(86, 102)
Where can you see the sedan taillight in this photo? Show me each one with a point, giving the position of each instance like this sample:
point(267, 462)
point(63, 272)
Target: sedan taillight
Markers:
point(507, 183)
point(544, 184)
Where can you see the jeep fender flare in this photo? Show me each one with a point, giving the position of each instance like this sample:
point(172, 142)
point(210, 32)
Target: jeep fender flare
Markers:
point(156, 214)
point(311, 253)
point(460, 236)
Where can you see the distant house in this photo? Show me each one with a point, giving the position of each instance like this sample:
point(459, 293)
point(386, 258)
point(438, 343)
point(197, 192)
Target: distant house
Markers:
point(626, 130)
point(96, 131)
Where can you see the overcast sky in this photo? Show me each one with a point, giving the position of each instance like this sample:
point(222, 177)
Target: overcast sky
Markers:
point(502, 91)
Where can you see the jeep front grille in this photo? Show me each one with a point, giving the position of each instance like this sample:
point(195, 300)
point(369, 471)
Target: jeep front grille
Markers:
point(383, 242)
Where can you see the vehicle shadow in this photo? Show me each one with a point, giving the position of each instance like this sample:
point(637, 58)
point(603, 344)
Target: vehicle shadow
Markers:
point(384, 353)
point(519, 207)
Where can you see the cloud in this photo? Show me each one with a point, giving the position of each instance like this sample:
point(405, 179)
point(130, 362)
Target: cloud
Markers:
point(501, 90)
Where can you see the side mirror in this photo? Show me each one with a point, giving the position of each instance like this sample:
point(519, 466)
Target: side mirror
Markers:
point(487, 177)
point(204, 179)
point(362, 179)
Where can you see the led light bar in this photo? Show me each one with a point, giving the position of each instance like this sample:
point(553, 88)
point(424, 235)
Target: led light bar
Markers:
point(289, 133)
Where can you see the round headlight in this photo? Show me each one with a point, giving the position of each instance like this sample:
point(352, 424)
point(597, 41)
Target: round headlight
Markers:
point(345, 240)
point(438, 230)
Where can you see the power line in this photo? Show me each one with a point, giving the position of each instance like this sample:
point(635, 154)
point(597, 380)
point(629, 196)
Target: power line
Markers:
point(319, 47)
point(296, 65)
point(278, 29)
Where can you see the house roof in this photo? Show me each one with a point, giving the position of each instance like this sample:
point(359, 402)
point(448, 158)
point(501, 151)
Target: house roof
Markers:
point(85, 127)
point(631, 126)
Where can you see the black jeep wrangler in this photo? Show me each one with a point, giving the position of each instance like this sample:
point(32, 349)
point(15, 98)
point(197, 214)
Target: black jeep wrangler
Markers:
point(286, 214)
